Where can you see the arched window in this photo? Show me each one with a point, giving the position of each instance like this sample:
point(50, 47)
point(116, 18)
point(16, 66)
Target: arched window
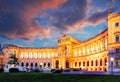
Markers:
point(44, 64)
point(27, 64)
point(92, 63)
point(48, 64)
point(31, 64)
point(36, 64)
point(105, 60)
point(22, 64)
point(87, 63)
point(100, 62)
point(83, 63)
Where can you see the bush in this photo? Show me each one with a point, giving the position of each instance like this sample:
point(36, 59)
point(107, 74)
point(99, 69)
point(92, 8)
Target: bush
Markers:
point(13, 70)
point(52, 70)
point(36, 70)
point(75, 70)
point(1, 70)
point(67, 70)
point(57, 71)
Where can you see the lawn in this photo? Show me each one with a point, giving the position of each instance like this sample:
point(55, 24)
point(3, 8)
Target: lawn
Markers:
point(40, 77)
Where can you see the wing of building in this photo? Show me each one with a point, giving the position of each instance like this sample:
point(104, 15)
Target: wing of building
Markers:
point(91, 55)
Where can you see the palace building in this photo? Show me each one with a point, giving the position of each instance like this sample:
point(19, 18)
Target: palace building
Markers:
point(93, 54)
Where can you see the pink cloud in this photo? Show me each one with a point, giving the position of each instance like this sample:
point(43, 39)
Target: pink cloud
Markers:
point(22, 14)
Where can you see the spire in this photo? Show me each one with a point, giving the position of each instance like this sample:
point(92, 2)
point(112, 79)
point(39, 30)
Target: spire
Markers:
point(110, 10)
point(111, 7)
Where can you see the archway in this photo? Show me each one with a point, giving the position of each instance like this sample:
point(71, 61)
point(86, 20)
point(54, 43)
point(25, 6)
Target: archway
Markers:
point(27, 64)
point(36, 64)
point(92, 63)
point(31, 64)
point(22, 64)
point(57, 64)
point(87, 63)
point(67, 64)
point(44, 65)
point(100, 62)
point(48, 64)
point(105, 61)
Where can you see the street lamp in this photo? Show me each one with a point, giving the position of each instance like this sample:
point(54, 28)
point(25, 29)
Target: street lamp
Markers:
point(112, 60)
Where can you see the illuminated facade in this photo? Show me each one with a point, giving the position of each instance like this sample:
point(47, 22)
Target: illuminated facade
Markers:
point(91, 55)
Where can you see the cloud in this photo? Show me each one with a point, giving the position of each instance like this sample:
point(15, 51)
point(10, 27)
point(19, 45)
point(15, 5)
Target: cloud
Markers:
point(16, 18)
point(98, 17)
point(27, 19)
point(102, 10)
point(73, 14)
point(69, 13)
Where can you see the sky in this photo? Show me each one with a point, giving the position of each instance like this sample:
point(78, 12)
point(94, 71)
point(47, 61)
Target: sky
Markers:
point(40, 23)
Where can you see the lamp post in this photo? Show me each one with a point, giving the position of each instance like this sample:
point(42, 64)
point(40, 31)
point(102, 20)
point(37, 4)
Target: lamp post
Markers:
point(111, 59)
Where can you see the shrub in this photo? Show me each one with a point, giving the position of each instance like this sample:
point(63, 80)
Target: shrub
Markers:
point(75, 69)
point(67, 70)
point(1, 70)
point(13, 70)
point(36, 70)
point(52, 70)
point(57, 71)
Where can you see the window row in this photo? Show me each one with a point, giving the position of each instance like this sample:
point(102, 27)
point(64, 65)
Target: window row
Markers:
point(35, 64)
point(97, 46)
point(36, 56)
point(89, 50)
point(92, 63)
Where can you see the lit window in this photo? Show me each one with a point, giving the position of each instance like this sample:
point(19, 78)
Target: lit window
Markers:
point(116, 24)
point(117, 38)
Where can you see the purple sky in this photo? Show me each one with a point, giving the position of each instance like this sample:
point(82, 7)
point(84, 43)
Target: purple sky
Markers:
point(39, 23)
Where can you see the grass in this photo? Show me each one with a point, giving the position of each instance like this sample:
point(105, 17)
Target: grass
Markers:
point(40, 77)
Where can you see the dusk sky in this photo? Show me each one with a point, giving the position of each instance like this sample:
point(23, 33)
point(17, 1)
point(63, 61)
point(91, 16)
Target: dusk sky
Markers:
point(40, 23)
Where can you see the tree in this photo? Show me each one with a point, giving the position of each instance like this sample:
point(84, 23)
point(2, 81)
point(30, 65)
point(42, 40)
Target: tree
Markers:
point(13, 60)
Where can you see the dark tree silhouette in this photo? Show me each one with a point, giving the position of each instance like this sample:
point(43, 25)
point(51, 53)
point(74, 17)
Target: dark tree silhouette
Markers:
point(13, 59)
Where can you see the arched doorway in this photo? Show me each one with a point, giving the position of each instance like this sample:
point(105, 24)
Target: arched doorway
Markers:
point(31, 64)
point(36, 64)
point(27, 64)
point(22, 64)
point(44, 65)
point(48, 64)
point(67, 64)
point(57, 64)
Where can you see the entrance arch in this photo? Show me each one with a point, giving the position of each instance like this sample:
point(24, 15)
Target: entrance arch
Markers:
point(57, 64)
point(67, 64)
